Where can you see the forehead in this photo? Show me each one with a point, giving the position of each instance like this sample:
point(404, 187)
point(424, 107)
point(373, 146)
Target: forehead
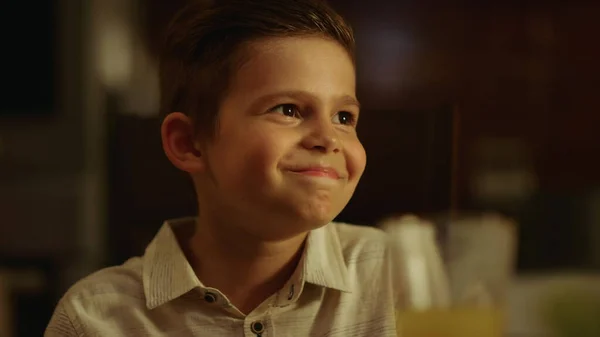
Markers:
point(314, 65)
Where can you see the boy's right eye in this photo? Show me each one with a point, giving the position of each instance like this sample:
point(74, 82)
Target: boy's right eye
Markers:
point(289, 110)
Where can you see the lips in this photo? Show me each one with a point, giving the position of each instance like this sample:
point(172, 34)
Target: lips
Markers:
point(317, 171)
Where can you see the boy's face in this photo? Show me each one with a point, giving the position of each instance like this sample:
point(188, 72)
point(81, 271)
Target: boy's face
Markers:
point(286, 157)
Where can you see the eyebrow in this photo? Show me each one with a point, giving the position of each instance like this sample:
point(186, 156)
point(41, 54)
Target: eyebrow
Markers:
point(299, 95)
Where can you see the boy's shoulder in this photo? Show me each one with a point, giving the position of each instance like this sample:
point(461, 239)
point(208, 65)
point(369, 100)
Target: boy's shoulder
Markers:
point(105, 303)
point(123, 282)
point(361, 244)
point(359, 237)
point(352, 232)
point(370, 258)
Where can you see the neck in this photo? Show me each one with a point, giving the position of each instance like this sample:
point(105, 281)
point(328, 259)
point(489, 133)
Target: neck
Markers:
point(245, 268)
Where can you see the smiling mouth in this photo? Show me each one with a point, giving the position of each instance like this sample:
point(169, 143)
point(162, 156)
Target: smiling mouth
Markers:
point(322, 172)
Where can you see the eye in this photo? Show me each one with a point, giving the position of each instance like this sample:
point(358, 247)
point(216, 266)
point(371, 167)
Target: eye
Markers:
point(289, 110)
point(344, 118)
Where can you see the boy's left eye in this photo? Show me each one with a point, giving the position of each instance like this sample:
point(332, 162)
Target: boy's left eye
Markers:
point(344, 118)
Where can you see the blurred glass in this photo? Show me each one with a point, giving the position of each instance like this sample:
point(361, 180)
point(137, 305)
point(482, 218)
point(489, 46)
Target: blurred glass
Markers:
point(457, 271)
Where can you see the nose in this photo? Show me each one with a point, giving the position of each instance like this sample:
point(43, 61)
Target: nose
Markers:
point(322, 137)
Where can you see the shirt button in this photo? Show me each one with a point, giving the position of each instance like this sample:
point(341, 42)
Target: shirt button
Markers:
point(257, 327)
point(291, 293)
point(210, 297)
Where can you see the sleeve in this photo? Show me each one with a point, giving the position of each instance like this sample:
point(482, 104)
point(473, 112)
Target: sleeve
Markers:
point(60, 324)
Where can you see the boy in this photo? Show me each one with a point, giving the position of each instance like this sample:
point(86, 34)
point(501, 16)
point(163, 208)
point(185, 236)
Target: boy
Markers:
point(260, 105)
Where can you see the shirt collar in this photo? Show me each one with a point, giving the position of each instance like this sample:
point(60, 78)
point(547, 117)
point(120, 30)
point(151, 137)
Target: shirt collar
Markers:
point(168, 275)
point(322, 264)
point(325, 264)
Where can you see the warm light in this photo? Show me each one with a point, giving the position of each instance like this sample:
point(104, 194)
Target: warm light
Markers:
point(116, 54)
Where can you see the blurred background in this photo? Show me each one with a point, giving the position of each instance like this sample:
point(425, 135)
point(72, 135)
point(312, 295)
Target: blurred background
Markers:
point(473, 106)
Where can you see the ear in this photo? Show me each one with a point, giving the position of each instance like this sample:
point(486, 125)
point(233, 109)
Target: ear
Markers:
point(179, 143)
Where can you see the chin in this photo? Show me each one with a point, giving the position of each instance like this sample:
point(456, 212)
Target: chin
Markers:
point(314, 223)
point(304, 214)
point(289, 228)
point(316, 217)
point(303, 220)
point(303, 225)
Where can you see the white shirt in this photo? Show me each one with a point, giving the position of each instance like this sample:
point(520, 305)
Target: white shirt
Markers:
point(344, 286)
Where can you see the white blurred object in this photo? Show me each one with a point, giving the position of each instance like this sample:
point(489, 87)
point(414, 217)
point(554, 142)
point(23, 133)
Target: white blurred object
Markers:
point(422, 267)
point(476, 295)
point(480, 253)
point(472, 263)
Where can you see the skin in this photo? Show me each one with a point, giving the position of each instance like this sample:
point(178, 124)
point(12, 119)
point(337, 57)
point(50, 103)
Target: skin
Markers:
point(286, 159)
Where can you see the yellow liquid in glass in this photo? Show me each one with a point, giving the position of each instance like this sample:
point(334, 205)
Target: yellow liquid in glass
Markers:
point(457, 322)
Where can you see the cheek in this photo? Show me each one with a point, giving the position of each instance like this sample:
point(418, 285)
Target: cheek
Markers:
point(264, 149)
point(250, 157)
point(356, 158)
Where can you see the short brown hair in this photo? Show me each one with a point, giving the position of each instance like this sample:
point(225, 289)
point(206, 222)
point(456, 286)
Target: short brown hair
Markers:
point(203, 41)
